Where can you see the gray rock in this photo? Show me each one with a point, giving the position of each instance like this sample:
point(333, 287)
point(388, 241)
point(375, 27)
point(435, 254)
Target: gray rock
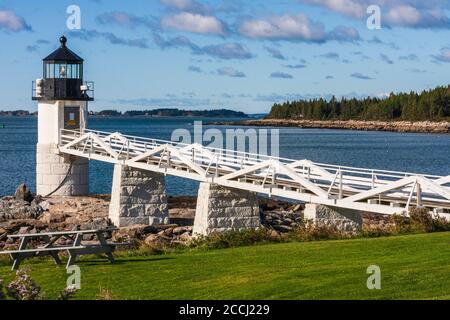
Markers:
point(186, 237)
point(96, 224)
point(24, 230)
point(274, 235)
point(181, 230)
point(45, 205)
point(23, 194)
point(18, 209)
point(282, 228)
point(151, 239)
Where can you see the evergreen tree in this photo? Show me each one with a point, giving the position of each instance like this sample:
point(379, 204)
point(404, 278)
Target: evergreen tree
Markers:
point(428, 105)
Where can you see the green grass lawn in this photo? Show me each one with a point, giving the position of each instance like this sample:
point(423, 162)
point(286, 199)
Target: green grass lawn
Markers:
point(413, 267)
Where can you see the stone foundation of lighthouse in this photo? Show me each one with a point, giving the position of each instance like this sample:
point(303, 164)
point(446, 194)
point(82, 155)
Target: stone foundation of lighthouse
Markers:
point(57, 173)
point(62, 175)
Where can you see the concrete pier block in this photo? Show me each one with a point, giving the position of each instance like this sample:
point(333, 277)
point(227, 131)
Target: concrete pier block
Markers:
point(138, 197)
point(52, 168)
point(440, 213)
point(222, 209)
point(342, 219)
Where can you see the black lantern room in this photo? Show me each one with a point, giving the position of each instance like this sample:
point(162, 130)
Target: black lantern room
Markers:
point(63, 77)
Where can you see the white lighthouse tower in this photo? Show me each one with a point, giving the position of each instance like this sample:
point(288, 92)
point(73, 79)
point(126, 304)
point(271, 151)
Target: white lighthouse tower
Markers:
point(62, 109)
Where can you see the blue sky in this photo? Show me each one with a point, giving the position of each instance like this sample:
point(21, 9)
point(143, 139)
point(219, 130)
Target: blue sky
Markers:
point(242, 55)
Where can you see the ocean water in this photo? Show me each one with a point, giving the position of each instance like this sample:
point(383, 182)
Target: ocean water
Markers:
point(420, 153)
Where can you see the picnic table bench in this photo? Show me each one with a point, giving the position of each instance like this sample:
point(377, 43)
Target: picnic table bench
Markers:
point(50, 249)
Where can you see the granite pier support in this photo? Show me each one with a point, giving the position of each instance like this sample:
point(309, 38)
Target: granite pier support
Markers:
point(345, 220)
point(221, 209)
point(138, 197)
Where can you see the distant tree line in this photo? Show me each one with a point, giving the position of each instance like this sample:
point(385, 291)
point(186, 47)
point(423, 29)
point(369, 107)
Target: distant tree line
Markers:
point(428, 105)
point(16, 113)
point(221, 113)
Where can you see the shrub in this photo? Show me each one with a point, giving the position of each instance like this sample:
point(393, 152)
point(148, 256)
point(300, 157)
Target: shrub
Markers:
point(151, 249)
point(441, 224)
point(105, 294)
point(235, 238)
point(67, 293)
point(305, 232)
point(401, 224)
point(421, 220)
point(2, 292)
point(312, 232)
point(377, 232)
point(23, 287)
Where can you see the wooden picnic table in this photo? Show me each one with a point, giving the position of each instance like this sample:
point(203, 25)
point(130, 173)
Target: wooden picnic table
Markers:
point(50, 249)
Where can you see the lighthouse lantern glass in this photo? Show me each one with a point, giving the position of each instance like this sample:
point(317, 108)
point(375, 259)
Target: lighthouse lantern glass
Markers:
point(62, 71)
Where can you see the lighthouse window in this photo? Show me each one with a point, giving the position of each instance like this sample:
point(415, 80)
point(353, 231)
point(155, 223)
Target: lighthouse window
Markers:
point(56, 71)
point(71, 71)
point(75, 74)
point(50, 71)
point(74, 71)
point(71, 118)
point(62, 71)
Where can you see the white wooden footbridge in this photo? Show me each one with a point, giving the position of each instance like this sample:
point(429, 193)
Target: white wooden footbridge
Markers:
point(365, 190)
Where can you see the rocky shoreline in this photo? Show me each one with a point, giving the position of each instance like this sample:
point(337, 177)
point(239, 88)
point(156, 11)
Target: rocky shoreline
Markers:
point(391, 126)
point(26, 213)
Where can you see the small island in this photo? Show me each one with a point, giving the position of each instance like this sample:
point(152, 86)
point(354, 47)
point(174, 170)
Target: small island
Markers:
point(171, 112)
point(425, 112)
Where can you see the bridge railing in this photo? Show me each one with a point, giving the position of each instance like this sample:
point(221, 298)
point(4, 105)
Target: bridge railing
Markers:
point(337, 181)
point(236, 158)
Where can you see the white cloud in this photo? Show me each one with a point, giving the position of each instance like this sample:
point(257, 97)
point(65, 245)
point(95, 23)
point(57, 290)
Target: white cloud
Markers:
point(409, 57)
point(10, 21)
point(409, 16)
point(404, 13)
point(354, 8)
point(275, 53)
point(298, 27)
point(444, 56)
point(230, 72)
point(125, 19)
point(186, 5)
point(119, 17)
point(386, 59)
point(195, 69)
point(294, 28)
point(361, 76)
point(227, 51)
point(342, 33)
point(281, 75)
point(195, 23)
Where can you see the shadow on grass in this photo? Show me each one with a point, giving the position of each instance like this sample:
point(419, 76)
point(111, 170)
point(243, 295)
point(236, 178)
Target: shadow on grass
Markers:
point(96, 261)
point(101, 261)
point(5, 263)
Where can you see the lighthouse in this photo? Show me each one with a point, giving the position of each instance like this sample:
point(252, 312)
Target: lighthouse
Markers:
point(63, 97)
